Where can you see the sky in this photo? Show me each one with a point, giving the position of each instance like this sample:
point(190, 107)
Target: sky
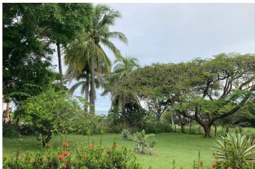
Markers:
point(164, 33)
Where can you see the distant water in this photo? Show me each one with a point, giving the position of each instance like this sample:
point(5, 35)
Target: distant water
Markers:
point(102, 112)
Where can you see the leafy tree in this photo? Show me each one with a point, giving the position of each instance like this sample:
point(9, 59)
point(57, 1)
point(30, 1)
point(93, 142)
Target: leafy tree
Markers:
point(87, 50)
point(201, 90)
point(48, 113)
point(26, 61)
point(219, 88)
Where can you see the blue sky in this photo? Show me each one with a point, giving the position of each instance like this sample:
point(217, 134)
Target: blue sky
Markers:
point(171, 32)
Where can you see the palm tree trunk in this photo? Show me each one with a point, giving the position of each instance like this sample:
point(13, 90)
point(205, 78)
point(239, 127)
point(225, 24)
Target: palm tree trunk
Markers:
point(59, 65)
point(92, 90)
point(86, 93)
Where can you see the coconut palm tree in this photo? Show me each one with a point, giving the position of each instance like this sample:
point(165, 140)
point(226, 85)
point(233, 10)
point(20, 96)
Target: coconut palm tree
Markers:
point(88, 50)
point(121, 69)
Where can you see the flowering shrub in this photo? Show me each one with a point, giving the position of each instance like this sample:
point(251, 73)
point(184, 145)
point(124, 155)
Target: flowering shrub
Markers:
point(235, 151)
point(92, 156)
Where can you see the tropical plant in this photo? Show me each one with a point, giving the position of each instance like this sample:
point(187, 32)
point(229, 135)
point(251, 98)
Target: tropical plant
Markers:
point(234, 150)
point(87, 50)
point(126, 135)
point(143, 141)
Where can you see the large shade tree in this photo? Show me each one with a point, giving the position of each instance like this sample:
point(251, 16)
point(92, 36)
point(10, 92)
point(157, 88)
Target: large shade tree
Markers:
point(204, 90)
point(87, 51)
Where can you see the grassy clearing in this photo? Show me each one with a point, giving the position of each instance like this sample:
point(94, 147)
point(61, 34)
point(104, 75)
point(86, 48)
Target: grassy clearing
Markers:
point(183, 148)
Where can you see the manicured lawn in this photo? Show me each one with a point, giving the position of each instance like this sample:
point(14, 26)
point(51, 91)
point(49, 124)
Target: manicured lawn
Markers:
point(183, 148)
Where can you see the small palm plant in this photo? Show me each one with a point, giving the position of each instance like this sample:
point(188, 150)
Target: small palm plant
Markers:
point(234, 150)
point(126, 135)
point(144, 141)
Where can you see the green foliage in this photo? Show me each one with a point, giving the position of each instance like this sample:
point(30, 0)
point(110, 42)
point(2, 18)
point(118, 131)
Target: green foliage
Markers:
point(10, 130)
point(91, 156)
point(126, 135)
point(234, 150)
point(143, 141)
point(49, 113)
point(88, 124)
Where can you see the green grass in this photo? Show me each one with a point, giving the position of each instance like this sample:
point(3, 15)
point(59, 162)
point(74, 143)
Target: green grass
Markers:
point(183, 148)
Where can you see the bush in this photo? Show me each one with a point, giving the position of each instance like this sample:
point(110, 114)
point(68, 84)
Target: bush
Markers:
point(10, 130)
point(153, 127)
point(48, 113)
point(234, 151)
point(88, 124)
point(92, 156)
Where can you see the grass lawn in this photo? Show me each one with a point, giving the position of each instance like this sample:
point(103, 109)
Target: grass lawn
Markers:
point(183, 148)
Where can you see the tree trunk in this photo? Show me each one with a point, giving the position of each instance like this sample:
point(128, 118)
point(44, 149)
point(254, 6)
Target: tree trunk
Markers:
point(60, 65)
point(182, 127)
point(92, 90)
point(86, 94)
point(207, 129)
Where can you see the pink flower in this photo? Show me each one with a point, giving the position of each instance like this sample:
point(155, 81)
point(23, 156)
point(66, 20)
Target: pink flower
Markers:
point(64, 166)
point(230, 168)
point(91, 146)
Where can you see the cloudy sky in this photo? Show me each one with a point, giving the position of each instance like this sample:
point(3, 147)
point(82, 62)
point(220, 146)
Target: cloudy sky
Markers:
point(181, 32)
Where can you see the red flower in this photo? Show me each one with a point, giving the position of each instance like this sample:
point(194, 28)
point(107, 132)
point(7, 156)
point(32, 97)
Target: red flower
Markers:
point(64, 144)
point(64, 166)
point(90, 146)
point(66, 153)
point(114, 145)
point(213, 165)
point(230, 144)
point(60, 156)
point(84, 155)
point(230, 168)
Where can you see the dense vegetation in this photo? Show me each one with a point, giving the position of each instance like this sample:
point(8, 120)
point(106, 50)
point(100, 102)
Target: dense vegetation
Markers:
point(199, 95)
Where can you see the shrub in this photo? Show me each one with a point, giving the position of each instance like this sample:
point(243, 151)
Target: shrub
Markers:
point(126, 135)
point(10, 130)
point(48, 113)
point(234, 151)
point(144, 141)
point(88, 123)
point(91, 156)
point(154, 127)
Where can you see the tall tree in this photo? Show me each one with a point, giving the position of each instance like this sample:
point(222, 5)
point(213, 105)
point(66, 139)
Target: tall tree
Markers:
point(90, 46)
point(120, 100)
point(26, 58)
point(63, 22)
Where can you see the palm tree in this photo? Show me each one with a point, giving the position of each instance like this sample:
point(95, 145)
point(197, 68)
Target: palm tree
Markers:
point(88, 51)
point(122, 68)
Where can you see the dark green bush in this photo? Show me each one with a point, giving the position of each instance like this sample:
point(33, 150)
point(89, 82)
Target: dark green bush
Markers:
point(10, 130)
point(151, 127)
